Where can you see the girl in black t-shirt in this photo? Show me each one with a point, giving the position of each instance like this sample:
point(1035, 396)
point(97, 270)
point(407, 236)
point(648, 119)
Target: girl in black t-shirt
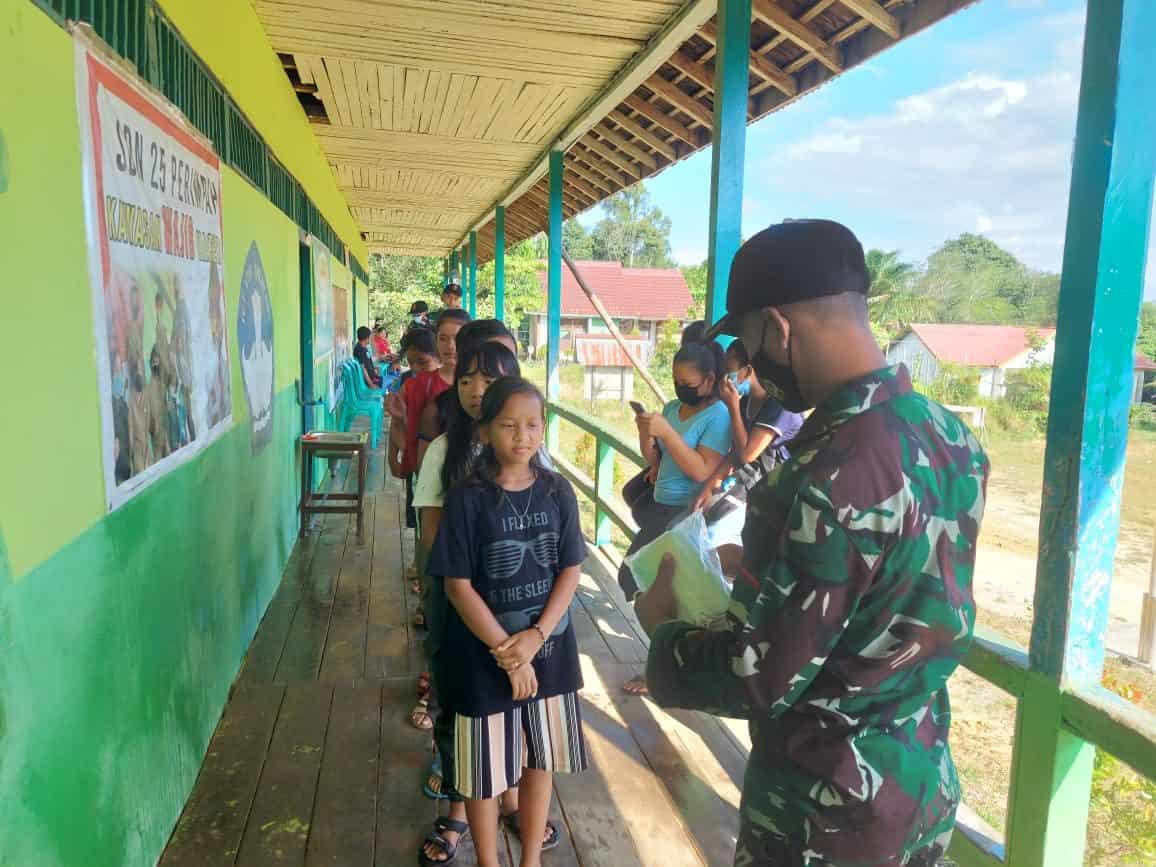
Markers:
point(509, 548)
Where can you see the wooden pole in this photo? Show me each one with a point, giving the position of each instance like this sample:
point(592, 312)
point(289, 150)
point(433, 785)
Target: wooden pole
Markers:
point(473, 302)
point(613, 329)
point(500, 263)
point(728, 149)
point(554, 297)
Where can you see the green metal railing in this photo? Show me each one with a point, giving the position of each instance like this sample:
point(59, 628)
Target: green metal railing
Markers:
point(1090, 713)
point(141, 33)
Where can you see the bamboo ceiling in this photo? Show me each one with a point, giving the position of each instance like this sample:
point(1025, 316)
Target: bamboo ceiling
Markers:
point(430, 112)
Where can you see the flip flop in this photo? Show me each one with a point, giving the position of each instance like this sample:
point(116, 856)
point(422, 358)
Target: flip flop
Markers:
point(513, 825)
point(442, 824)
point(435, 772)
point(420, 717)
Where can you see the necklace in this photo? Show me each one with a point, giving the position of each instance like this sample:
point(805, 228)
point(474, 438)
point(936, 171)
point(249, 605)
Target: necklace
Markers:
point(521, 519)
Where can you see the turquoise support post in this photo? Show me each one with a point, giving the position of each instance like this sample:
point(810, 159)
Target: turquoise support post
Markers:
point(473, 308)
point(500, 263)
point(604, 488)
point(453, 263)
point(728, 149)
point(554, 295)
point(1109, 211)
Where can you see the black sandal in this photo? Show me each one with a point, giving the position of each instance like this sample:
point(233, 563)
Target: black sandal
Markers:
point(436, 838)
point(553, 838)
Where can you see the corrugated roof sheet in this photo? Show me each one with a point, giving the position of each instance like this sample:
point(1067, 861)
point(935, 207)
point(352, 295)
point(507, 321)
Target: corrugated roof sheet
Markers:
point(643, 293)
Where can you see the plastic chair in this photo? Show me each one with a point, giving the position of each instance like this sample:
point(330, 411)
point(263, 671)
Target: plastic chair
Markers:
point(352, 405)
point(364, 392)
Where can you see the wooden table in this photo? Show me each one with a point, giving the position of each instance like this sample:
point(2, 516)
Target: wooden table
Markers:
point(333, 446)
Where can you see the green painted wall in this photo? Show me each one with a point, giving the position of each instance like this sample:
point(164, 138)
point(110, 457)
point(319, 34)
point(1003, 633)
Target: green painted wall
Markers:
point(119, 633)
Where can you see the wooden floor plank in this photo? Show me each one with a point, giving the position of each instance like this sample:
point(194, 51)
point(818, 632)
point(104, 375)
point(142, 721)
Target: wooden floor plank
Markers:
point(343, 658)
point(344, 820)
point(387, 636)
point(260, 664)
point(279, 823)
point(609, 620)
point(404, 815)
point(306, 643)
point(209, 831)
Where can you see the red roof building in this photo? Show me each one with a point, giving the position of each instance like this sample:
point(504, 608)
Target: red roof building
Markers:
point(992, 349)
point(639, 299)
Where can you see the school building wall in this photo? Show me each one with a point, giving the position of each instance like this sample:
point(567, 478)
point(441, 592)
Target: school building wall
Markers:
point(120, 632)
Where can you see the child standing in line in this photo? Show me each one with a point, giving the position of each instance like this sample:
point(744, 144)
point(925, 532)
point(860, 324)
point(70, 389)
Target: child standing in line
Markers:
point(510, 548)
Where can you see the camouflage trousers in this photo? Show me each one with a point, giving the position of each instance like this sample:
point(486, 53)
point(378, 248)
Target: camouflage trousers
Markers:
point(759, 847)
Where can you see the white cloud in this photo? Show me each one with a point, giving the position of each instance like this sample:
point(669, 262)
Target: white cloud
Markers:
point(985, 153)
point(688, 255)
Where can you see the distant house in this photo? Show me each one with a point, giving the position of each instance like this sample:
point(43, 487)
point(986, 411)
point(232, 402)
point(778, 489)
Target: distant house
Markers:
point(992, 349)
point(639, 300)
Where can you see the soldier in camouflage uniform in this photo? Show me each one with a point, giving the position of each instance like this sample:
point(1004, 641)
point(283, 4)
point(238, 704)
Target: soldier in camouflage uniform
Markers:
point(854, 603)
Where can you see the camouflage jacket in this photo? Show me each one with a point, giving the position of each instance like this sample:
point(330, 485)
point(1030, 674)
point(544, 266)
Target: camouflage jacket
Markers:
point(853, 607)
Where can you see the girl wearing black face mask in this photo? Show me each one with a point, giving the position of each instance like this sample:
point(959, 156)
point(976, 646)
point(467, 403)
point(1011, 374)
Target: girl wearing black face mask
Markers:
point(684, 443)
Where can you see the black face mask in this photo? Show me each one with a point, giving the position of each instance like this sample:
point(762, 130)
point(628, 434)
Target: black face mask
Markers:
point(688, 395)
point(778, 379)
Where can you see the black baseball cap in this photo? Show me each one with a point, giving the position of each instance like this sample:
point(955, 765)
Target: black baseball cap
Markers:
point(452, 287)
point(418, 307)
point(797, 260)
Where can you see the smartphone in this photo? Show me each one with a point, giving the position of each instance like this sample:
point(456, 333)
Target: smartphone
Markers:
point(638, 408)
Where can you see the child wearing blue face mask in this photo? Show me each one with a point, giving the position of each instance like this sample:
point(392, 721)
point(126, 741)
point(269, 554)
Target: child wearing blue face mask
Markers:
point(685, 443)
point(760, 427)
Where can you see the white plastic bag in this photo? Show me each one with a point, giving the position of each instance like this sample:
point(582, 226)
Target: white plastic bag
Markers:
point(700, 588)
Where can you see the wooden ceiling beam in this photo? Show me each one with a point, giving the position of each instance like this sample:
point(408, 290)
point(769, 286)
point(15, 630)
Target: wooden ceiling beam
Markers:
point(643, 134)
point(679, 99)
point(600, 165)
point(871, 11)
point(692, 69)
point(758, 64)
point(612, 156)
point(584, 186)
point(655, 114)
point(626, 146)
point(589, 176)
point(776, 16)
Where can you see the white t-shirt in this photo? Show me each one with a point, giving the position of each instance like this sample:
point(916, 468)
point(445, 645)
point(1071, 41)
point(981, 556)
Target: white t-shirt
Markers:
point(427, 487)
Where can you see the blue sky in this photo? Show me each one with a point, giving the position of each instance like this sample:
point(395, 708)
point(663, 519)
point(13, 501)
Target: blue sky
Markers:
point(966, 127)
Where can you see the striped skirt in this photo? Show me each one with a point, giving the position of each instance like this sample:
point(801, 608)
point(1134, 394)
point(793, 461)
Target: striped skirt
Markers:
point(491, 751)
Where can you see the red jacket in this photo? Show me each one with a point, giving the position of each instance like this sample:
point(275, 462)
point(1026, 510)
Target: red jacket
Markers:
point(416, 393)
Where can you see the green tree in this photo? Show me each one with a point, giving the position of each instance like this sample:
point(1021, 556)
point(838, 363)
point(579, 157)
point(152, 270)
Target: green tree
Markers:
point(696, 276)
point(893, 300)
point(1146, 339)
point(632, 231)
point(576, 241)
point(523, 288)
point(395, 282)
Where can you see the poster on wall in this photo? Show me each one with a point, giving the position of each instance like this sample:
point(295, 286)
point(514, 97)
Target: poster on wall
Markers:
point(152, 190)
point(322, 300)
point(342, 344)
point(255, 341)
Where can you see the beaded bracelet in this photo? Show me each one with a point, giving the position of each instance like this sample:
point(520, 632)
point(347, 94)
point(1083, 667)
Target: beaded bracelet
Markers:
point(541, 634)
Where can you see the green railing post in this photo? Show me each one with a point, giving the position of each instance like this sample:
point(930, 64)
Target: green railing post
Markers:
point(1109, 210)
point(454, 263)
point(473, 308)
point(500, 263)
point(604, 487)
point(728, 148)
point(554, 295)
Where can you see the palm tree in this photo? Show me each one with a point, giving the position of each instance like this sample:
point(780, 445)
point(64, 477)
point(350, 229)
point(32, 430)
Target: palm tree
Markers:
point(893, 300)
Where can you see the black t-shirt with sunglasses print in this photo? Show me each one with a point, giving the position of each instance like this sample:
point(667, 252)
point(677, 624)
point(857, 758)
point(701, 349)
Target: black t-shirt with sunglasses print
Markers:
point(511, 545)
